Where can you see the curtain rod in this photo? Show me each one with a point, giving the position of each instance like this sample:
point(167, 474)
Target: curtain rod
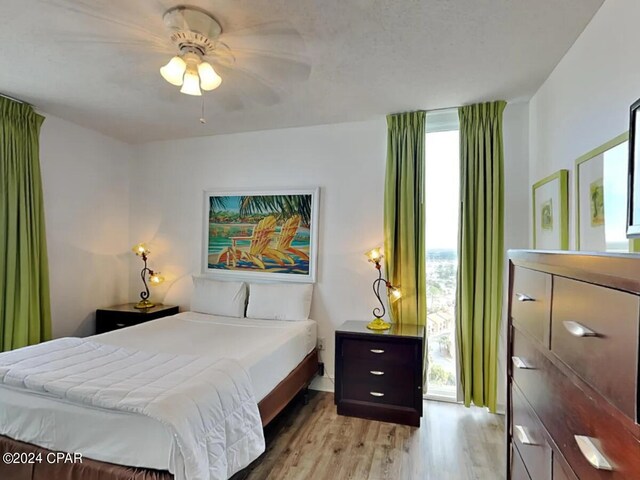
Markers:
point(13, 98)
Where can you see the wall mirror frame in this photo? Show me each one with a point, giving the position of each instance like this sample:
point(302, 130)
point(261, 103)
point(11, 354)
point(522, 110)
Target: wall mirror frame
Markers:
point(601, 197)
point(633, 175)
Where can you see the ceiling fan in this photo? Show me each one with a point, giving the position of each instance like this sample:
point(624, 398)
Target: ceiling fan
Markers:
point(196, 34)
point(257, 61)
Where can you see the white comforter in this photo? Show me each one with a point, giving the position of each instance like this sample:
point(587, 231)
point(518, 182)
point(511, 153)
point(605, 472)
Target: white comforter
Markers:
point(208, 405)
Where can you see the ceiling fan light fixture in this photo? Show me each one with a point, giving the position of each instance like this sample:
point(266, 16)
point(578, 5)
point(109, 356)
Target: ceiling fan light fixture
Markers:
point(173, 72)
point(191, 85)
point(209, 79)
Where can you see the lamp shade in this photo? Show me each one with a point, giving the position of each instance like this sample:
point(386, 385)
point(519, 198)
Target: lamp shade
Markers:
point(191, 85)
point(173, 72)
point(209, 79)
point(141, 249)
point(395, 294)
point(156, 279)
point(374, 255)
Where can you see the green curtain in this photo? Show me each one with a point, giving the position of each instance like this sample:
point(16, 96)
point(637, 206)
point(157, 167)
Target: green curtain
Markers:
point(404, 216)
point(25, 315)
point(480, 251)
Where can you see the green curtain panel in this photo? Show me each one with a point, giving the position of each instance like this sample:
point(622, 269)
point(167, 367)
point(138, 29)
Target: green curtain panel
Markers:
point(404, 216)
point(480, 250)
point(25, 315)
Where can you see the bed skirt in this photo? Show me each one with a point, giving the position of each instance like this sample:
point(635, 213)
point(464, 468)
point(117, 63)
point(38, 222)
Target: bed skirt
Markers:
point(46, 466)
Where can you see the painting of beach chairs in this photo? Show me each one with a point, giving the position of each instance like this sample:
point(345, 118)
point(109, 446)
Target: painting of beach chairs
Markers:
point(270, 235)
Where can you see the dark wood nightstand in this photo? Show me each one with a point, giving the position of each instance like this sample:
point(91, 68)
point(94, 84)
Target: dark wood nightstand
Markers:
point(379, 374)
point(121, 316)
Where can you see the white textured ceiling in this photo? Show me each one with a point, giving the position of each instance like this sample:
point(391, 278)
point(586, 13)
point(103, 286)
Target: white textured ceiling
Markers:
point(95, 62)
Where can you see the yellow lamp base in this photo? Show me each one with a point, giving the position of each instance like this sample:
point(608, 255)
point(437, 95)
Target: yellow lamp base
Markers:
point(378, 324)
point(142, 304)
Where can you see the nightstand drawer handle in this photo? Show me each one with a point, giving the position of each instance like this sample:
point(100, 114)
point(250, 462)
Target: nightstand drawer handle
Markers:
point(376, 372)
point(377, 350)
point(376, 394)
point(121, 324)
point(592, 454)
point(578, 330)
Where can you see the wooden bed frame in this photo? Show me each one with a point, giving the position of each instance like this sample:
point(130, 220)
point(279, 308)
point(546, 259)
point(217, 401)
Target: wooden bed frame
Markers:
point(269, 407)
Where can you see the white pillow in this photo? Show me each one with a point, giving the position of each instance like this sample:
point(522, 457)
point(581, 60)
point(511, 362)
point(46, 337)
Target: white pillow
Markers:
point(281, 301)
point(214, 297)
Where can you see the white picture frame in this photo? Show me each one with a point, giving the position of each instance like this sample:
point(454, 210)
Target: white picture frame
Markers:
point(240, 242)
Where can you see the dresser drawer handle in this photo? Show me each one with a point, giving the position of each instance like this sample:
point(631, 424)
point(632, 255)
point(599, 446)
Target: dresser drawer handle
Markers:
point(524, 298)
point(376, 372)
point(377, 350)
point(578, 330)
point(522, 435)
point(521, 364)
point(592, 454)
point(376, 394)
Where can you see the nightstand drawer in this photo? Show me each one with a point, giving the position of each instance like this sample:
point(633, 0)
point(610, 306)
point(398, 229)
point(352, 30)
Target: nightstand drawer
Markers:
point(380, 351)
point(122, 316)
point(373, 382)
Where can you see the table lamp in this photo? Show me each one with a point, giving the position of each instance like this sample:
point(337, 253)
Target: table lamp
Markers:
point(155, 278)
point(375, 256)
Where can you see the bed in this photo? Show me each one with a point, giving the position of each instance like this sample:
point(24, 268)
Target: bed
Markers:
point(279, 357)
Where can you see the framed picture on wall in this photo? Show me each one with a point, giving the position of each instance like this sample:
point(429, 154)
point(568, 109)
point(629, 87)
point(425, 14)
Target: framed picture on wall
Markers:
point(601, 196)
point(551, 212)
point(267, 235)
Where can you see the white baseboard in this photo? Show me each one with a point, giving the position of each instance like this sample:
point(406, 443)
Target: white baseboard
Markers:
point(323, 384)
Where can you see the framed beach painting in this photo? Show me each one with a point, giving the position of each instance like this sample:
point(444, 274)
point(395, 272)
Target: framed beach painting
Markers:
point(601, 198)
point(551, 212)
point(267, 235)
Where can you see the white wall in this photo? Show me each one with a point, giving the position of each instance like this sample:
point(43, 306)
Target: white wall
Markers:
point(585, 101)
point(346, 160)
point(516, 220)
point(85, 178)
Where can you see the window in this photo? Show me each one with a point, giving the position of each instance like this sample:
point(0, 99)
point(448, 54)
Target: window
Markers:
point(442, 177)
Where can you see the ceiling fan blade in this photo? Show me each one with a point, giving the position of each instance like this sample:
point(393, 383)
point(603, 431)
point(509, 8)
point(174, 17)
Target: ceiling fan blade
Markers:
point(275, 67)
point(274, 37)
point(249, 85)
point(152, 13)
point(225, 100)
point(143, 45)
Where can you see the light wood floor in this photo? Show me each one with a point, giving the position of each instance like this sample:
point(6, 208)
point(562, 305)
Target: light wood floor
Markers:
point(313, 442)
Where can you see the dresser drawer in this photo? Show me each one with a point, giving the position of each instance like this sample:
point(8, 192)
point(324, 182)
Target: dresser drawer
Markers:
point(607, 357)
point(518, 470)
point(531, 303)
point(561, 472)
point(397, 353)
point(565, 411)
point(379, 383)
point(529, 438)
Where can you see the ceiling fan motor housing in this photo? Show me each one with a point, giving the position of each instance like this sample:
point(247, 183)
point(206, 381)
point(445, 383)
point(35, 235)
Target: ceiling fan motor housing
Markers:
point(192, 29)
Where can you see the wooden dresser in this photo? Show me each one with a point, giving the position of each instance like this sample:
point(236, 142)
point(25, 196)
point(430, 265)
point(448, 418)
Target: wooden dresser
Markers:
point(573, 375)
point(379, 374)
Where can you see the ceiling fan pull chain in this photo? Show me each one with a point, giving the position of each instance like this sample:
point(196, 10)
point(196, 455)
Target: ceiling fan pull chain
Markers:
point(202, 119)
